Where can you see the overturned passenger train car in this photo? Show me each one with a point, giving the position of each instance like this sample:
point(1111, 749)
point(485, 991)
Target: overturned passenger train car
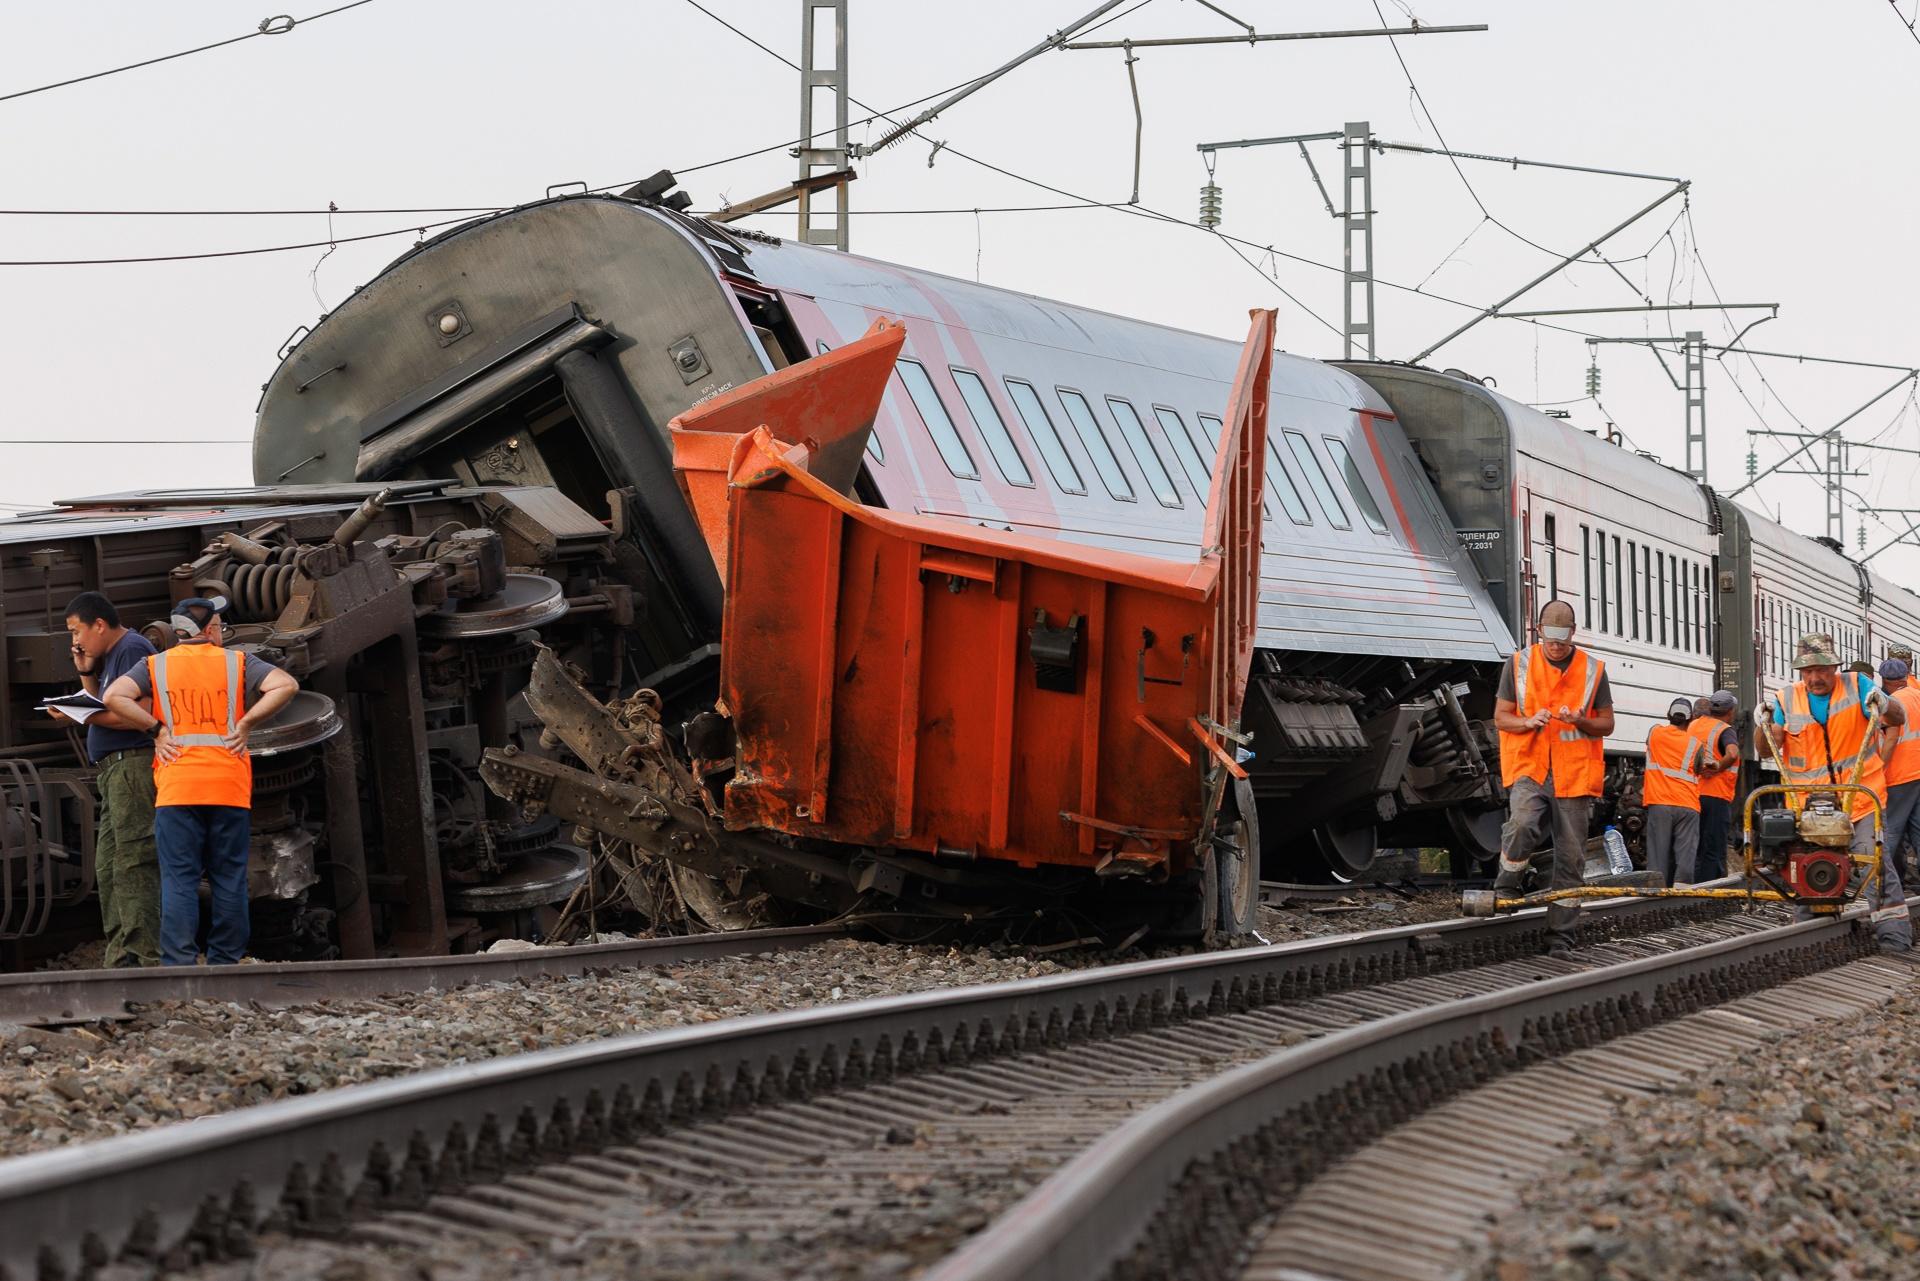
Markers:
point(553, 344)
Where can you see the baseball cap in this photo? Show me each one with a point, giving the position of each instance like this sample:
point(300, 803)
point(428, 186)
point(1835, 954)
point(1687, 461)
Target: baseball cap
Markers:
point(1722, 700)
point(1681, 708)
point(207, 607)
point(1894, 670)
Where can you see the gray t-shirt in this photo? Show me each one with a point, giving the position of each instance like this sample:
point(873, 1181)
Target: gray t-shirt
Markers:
point(1602, 694)
point(253, 674)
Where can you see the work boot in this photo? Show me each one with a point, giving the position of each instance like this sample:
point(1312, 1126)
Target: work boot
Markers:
point(1559, 947)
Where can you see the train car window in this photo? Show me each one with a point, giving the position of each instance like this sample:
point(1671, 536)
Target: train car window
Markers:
point(1553, 559)
point(1356, 484)
point(933, 412)
point(1633, 586)
point(1040, 430)
point(1586, 577)
point(1700, 613)
point(1199, 475)
point(1605, 599)
point(1619, 596)
point(1317, 480)
point(1660, 582)
point(874, 447)
point(1679, 613)
point(1006, 455)
point(1134, 432)
point(1096, 444)
point(1281, 481)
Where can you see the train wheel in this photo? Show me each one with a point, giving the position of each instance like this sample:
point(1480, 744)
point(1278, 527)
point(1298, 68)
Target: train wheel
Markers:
point(1476, 839)
point(1236, 864)
point(1349, 851)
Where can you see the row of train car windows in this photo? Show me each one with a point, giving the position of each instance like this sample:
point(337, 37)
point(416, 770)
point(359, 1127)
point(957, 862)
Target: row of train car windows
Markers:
point(1782, 625)
point(1637, 592)
point(1192, 459)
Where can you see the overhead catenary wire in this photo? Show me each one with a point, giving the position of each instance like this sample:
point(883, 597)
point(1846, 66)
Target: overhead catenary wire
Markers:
point(268, 27)
point(1144, 211)
point(226, 253)
point(1906, 22)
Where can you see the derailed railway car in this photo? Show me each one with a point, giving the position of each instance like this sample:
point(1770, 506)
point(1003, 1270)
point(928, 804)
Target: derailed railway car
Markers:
point(553, 344)
point(409, 613)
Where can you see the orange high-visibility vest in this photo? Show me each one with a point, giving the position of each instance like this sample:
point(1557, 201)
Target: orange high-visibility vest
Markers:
point(1904, 765)
point(1673, 755)
point(1807, 743)
point(1708, 730)
point(1576, 760)
point(198, 694)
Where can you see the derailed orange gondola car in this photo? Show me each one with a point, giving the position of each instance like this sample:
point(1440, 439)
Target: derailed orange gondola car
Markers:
point(925, 715)
point(963, 694)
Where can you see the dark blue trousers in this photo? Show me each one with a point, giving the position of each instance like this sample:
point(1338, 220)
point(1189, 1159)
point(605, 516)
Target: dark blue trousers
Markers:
point(1716, 819)
point(193, 841)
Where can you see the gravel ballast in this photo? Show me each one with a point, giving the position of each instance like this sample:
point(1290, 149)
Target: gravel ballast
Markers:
point(1799, 1158)
point(179, 1061)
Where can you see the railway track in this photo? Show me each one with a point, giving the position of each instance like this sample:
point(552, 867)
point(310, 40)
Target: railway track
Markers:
point(1377, 1154)
point(817, 1117)
point(51, 997)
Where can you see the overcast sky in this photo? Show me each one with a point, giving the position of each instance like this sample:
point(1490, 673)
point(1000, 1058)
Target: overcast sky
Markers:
point(1790, 120)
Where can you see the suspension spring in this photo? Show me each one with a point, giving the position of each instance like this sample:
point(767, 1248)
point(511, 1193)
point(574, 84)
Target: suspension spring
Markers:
point(262, 592)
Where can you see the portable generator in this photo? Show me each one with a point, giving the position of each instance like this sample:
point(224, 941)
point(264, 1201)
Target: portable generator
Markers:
point(1803, 850)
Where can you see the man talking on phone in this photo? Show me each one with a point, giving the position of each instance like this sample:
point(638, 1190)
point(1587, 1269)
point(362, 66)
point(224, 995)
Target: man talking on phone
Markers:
point(126, 873)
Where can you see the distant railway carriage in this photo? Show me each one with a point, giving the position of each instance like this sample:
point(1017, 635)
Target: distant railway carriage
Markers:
point(1680, 590)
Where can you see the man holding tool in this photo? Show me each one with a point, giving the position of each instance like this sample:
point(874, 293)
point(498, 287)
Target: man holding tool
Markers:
point(1553, 709)
point(1719, 777)
point(1821, 730)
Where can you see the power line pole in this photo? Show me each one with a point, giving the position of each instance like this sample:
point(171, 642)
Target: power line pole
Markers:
point(1694, 354)
point(816, 160)
point(1836, 507)
point(1357, 232)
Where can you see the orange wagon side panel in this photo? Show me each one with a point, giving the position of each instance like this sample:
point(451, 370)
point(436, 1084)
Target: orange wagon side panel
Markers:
point(887, 694)
point(923, 684)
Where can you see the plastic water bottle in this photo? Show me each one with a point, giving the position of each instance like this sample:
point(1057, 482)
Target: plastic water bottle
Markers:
point(1618, 860)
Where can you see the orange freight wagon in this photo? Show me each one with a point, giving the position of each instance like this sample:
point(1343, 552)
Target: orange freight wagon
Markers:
point(933, 692)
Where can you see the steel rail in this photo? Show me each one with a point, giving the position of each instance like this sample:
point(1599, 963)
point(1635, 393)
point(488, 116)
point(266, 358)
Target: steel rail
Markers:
point(186, 1191)
point(1099, 1208)
point(82, 996)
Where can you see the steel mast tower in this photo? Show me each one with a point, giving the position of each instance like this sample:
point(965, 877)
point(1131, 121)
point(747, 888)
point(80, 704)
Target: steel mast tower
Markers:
point(815, 159)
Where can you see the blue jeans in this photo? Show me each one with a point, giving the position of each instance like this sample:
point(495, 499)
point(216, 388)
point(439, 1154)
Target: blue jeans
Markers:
point(194, 841)
point(1902, 819)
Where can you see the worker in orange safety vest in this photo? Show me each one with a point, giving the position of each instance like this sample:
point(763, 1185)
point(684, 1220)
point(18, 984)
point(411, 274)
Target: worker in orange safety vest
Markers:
point(1901, 751)
point(1823, 722)
point(1719, 779)
point(201, 701)
point(1553, 709)
point(1670, 795)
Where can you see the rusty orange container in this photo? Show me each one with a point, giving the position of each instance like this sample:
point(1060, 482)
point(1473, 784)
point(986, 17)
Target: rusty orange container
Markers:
point(919, 683)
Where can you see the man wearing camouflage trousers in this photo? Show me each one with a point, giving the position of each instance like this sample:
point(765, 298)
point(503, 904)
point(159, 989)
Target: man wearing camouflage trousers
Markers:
point(126, 870)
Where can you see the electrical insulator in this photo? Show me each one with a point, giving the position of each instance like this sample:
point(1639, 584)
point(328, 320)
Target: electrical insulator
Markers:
point(1209, 206)
point(1753, 464)
point(1593, 380)
point(1860, 537)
